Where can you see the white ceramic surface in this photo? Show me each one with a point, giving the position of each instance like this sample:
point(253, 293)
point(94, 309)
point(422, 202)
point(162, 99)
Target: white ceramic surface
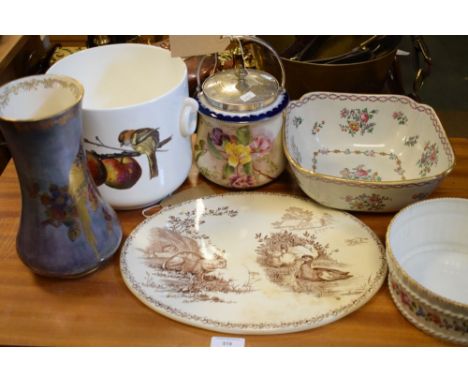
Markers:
point(427, 252)
point(365, 152)
point(137, 119)
point(253, 263)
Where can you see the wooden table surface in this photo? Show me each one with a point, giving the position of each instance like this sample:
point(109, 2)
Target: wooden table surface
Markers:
point(99, 310)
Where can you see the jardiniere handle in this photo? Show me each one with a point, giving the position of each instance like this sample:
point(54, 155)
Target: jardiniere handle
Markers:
point(188, 117)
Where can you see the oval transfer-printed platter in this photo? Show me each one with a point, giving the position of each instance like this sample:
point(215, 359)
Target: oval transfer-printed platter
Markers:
point(253, 263)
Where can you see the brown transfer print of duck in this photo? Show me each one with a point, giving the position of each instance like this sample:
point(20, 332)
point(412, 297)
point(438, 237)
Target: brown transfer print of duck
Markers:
point(308, 272)
point(300, 263)
point(183, 269)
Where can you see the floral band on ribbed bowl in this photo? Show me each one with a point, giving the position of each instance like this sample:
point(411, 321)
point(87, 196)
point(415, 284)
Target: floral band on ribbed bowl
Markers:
point(427, 255)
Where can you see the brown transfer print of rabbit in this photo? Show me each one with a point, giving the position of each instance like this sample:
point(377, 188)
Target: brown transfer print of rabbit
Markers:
point(174, 252)
point(184, 269)
point(194, 263)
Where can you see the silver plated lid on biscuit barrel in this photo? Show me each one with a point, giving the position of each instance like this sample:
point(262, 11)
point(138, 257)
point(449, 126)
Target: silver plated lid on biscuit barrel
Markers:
point(241, 90)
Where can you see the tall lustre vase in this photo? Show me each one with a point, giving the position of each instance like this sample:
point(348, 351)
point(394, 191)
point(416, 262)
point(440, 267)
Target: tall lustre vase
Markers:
point(66, 228)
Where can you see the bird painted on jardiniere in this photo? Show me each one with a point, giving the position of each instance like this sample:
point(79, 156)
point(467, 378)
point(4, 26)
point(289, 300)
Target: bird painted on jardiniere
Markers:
point(144, 141)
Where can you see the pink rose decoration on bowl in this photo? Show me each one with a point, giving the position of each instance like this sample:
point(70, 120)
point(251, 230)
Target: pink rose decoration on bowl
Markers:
point(361, 172)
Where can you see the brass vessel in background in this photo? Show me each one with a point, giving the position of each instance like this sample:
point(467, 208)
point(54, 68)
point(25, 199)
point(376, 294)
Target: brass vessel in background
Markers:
point(332, 63)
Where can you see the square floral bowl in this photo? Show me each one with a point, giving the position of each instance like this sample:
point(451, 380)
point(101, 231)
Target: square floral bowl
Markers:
point(365, 152)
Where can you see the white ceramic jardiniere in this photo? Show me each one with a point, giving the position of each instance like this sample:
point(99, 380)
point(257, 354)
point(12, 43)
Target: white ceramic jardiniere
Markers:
point(137, 120)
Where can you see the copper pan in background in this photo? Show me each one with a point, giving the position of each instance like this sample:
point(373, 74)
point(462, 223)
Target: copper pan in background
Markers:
point(315, 73)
